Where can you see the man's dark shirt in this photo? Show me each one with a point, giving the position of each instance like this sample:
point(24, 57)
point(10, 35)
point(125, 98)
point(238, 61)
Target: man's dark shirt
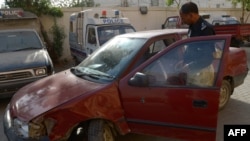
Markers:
point(201, 28)
point(200, 55)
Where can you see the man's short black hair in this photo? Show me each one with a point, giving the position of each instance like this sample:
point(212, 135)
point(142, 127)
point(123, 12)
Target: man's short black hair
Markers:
point(189, 7)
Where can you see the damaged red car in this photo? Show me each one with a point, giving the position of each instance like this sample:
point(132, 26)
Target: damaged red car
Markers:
point(145, 82)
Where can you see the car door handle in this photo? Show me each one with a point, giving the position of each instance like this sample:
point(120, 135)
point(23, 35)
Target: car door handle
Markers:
point(200, 103)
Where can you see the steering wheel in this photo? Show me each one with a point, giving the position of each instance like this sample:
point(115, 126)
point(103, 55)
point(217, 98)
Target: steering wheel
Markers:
point(181, 67)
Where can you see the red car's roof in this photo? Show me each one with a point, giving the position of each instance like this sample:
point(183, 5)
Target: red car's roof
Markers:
point(152, 33)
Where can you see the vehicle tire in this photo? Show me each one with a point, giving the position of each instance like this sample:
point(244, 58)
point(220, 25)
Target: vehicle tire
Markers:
point(79, 133)
point(225, 93)
point(99, 130)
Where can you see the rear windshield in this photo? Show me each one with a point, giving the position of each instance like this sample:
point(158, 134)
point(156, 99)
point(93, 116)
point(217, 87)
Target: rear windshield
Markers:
point(16, 41)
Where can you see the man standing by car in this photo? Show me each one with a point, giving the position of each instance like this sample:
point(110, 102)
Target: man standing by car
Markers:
point(189, 14)
point(201, 62)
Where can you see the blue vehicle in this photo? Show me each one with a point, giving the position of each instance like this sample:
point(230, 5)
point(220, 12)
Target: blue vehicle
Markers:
point(23, 58)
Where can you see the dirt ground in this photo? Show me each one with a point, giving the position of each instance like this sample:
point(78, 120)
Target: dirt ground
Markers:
point(63, 65)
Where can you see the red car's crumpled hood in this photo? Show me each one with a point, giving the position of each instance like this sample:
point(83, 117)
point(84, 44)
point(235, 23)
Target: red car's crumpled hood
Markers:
point(45, 94)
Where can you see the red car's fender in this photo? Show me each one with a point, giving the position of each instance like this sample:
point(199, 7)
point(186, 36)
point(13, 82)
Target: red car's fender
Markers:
point(101, 104)
point(236, 67)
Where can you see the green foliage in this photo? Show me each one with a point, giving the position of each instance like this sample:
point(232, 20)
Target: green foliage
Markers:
point(83, 3)
point(171, 2)
point(244, 3)
point(36, 6)
point(55, 12)
point(245, 6)
point(40, 7)
point(58, 38)
point(74, 3)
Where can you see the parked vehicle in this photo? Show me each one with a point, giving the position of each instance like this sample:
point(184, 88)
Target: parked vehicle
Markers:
point(173, 22)
point(227, 24)
point(176, 22)
point(133, 84)
point(225, 20)
point(91, 28)
point(17, 18)
point(240, 32)
point(23, 58)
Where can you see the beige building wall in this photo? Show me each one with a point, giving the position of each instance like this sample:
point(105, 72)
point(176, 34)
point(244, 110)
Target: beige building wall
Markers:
point(152, 20)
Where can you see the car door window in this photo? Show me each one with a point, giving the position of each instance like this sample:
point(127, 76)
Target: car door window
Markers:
point(192, 64)
point(91, 35)
point(155, 47)
point(160, 45)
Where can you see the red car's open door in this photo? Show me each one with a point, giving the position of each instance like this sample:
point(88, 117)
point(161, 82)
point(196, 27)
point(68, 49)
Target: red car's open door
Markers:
point(176, 92)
